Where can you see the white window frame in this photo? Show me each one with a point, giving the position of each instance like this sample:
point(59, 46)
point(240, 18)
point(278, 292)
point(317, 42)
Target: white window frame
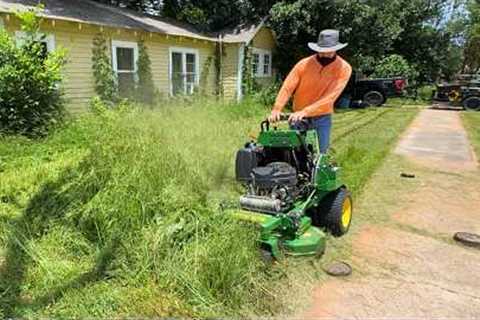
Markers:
point(261, 53)
point(125, 44)
point(260, 68)
point(183, 51)
point(49, 39)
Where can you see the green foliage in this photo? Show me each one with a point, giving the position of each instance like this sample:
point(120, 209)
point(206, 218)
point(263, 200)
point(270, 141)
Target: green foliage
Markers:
point(30, 96)
point(249, 85)
point(105, 84)
point(395, 66)
point(471, 52)
point(145, 90)
point(267, 95)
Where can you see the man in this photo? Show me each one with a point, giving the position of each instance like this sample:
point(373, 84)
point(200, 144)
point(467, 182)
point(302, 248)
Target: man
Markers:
point(316, 82)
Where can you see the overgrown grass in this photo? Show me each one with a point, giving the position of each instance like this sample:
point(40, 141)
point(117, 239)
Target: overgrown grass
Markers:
point(117, 214)
point(472, 125)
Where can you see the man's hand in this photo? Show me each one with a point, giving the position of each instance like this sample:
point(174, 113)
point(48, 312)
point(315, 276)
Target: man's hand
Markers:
point(274, 116)
point(297, 116)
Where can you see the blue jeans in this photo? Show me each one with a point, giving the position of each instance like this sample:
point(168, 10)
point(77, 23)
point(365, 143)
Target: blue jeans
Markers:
point(323, 126)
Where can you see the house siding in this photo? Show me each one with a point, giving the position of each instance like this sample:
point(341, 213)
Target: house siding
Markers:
point(264, 40)
point(230, 71)
point(78, 41)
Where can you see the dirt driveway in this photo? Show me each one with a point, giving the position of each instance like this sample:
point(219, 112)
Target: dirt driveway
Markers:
point(406, 264)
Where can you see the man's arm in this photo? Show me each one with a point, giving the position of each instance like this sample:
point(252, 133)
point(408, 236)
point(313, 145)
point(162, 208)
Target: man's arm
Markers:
point(288, 87)
point(333, 91)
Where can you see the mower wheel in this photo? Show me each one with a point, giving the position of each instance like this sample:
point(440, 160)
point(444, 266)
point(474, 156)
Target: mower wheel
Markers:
point(335, 212)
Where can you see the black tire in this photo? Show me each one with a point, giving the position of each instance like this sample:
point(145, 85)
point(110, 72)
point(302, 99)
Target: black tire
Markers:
point(471, 103)
point(374, 98)
point(330, 212)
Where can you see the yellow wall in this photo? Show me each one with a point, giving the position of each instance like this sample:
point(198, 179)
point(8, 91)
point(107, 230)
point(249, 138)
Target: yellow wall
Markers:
point(230, 71)
point(77, 39)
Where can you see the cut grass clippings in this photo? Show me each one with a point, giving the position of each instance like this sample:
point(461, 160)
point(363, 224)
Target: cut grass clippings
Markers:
point(116, 215)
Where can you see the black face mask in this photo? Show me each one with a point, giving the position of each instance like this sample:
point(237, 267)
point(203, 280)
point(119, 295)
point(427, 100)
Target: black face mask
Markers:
point(325, 61)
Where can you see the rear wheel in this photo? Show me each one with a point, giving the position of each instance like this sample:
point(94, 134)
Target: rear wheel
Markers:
point(335, 212)
point(374, 98)
point(472, 103)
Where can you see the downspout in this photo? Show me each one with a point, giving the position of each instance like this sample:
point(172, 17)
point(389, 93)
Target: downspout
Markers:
point(220, 66)
point(241, 57)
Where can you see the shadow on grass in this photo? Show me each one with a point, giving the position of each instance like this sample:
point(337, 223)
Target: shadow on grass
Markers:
point(75, 187)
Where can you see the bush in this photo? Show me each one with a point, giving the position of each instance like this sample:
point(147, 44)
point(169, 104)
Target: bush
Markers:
point(395, 66)
point(267, 95)
point(30, 98)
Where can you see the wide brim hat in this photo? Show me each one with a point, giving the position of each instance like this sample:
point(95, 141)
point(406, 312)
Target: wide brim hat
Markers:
point(328, 41)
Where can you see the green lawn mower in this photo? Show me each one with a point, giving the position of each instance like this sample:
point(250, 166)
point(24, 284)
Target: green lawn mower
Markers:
point(292, 192)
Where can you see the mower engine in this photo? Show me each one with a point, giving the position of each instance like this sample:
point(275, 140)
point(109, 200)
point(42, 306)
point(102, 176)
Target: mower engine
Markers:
point(272, 186)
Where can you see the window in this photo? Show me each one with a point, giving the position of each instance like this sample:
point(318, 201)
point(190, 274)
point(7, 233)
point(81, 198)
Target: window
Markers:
point(124, 58)
point(183, 70)
point(261, 62)
point(255, 63)
point(47, 41)
point(266, 64)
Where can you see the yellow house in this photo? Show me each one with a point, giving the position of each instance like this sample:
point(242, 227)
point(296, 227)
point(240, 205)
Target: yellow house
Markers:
point(182, 58)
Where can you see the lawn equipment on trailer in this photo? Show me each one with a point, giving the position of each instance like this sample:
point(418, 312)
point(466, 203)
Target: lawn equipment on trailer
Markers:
point(292, 191)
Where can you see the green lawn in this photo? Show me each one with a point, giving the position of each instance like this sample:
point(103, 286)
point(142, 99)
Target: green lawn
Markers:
point(117, 214)
point(471, 121)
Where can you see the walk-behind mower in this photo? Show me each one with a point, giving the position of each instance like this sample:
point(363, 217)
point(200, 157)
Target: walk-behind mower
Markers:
point(292, 191)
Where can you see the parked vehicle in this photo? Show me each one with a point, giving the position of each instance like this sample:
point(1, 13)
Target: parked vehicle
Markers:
point(463, 91)
point(373, 92)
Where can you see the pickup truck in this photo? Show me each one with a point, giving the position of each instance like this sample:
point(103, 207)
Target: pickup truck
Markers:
point(373, 92)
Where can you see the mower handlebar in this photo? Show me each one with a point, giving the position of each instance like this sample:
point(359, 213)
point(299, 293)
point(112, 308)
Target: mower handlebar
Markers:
point(265, 125)
point(285, 116)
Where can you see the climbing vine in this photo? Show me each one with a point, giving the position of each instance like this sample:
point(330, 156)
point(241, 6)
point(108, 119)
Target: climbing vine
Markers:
point(145, 91)
point(249, 84)
point(203, 87)
point(105, 84)
point(219, 56)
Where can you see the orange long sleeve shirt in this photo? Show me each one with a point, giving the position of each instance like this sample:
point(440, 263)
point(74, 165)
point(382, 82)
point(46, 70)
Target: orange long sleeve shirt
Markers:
point(315, 88)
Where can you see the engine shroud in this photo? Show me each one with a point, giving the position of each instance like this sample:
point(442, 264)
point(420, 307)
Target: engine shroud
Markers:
point(274, 174)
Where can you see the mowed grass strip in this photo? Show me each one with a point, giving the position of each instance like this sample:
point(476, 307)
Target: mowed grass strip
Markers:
point(117, 214)
point(471, 121)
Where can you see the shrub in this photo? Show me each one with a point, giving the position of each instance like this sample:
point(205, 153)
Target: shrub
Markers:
point(395, 66)
point(267, 95)
point(30, 96)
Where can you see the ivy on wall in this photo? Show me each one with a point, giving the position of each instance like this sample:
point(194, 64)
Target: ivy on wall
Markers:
point(203, 87)
point(145, 89)
point(249, 85)
point(219, 56)
point(105, 84)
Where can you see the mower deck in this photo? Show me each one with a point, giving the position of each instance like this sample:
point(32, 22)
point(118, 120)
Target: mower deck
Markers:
point(277, 235)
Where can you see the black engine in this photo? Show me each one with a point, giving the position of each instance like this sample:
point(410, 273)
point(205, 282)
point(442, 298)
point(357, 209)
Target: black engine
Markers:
point(274, 178)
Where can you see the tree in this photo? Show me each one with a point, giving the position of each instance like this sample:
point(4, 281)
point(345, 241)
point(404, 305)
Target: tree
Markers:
point(472, 47)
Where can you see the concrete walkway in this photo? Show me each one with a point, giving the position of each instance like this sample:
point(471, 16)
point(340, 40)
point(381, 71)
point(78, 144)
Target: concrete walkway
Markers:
point(407, 266)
